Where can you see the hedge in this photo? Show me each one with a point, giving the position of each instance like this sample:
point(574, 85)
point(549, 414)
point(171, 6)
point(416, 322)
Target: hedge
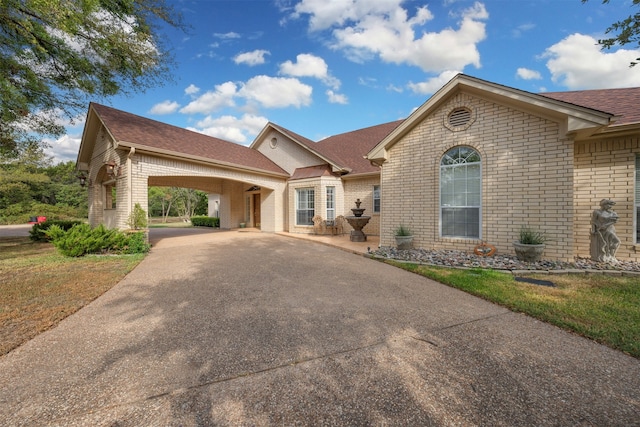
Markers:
point(205, 221)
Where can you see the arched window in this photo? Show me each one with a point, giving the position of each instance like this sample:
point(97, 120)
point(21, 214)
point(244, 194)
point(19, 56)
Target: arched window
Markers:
point(460, 193)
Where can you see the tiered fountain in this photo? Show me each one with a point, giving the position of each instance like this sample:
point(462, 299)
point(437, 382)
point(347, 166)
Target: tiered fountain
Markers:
point(357, 222)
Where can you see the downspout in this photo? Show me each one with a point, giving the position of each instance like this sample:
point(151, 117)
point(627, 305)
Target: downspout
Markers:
point(132, 152)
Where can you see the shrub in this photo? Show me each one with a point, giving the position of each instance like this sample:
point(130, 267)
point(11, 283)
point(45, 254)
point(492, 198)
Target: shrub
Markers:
point(137, 218)
point(402, 231)
point(38, 232)
point(81, 239)
point(205, 221)
point(530, 236)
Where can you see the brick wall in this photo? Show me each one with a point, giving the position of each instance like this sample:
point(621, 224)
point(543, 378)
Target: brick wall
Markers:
point(362, 188)
point(605, 169)
point(526, 178)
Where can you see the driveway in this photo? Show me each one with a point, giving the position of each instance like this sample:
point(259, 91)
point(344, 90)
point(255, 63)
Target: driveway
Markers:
point(232, 328)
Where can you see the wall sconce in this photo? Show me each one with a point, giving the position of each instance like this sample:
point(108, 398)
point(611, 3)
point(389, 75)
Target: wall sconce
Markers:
point(112, 170)
point(83, 178)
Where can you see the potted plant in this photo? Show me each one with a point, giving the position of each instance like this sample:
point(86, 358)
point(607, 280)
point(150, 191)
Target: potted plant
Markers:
point(404, 238)
point(530, 244)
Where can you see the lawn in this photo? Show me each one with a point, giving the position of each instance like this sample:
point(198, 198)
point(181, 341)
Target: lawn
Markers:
point(39, 287)
point(602, 307)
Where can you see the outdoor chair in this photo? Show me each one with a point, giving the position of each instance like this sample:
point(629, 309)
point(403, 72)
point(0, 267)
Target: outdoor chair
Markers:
point(318, 224)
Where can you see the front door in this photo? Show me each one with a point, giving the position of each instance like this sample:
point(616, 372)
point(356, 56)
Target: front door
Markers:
point(256, 210)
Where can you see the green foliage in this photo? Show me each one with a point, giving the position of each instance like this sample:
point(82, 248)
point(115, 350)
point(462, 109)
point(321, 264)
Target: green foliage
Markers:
point(531, 236)
point(137, 218)
point(40, 232)
point(402, 231)
point(81, 240)
point(205, 221)
point(58, 54)
point(30, 186)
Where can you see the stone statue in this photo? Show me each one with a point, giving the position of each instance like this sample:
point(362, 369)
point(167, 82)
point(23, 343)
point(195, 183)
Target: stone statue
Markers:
point(604, 241)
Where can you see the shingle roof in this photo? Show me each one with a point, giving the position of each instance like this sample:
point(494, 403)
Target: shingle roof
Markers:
point(624, 103)
point(127, 127)
point(312, 172)
point(348, 149)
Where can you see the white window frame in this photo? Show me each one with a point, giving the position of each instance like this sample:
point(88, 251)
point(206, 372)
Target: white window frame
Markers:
point(331, 203)
point(376, 197)
point(305, 201)
point(461, 162)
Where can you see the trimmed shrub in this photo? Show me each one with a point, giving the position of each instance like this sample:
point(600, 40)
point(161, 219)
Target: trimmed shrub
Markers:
point(137, 218)
point(81, 239)
point(205, 221)
point(38, 232)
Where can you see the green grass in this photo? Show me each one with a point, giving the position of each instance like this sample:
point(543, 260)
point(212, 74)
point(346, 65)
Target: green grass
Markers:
point(601, 307)
point(39, 287)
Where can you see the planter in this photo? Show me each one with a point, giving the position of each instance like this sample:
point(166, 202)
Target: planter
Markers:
point(404, 242)
point(243, 224)
point(528, 253)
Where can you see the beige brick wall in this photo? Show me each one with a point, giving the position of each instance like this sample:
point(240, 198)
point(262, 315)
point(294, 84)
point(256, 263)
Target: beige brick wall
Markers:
point(605, 169)
point(526, 178)
point(362, 188)
point(319, 186)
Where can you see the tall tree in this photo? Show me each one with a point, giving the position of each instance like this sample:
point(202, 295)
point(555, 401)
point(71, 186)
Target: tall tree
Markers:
point(625, 31)
point(55, 55)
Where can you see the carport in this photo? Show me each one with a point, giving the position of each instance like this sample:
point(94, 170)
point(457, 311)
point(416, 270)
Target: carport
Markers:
point(122, 154)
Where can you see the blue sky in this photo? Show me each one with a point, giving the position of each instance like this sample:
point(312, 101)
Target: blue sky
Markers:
point(323, 67)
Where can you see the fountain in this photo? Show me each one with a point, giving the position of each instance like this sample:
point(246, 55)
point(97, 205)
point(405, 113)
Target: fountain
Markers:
point(357, 222)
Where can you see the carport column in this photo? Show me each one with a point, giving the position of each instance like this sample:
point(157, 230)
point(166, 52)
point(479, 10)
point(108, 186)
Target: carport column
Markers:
point(214, 205)
point(225, 207)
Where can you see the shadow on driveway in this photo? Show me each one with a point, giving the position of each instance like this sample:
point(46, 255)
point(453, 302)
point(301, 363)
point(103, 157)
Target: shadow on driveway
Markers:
point(230, 328)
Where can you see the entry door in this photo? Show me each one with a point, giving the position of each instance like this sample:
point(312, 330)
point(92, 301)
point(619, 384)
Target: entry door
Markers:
point(256, 210)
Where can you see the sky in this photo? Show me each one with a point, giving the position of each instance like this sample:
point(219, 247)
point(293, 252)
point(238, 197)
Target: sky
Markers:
point(324, 67)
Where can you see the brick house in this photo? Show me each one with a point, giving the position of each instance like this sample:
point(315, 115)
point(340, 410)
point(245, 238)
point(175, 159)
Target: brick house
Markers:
point(474, 163)
point(479, 160)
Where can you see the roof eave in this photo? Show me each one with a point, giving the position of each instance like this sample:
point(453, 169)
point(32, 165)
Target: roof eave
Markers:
point(198, 159)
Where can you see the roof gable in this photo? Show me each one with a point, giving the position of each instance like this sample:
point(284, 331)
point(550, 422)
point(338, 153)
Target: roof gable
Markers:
point(130, 130)
point(573, 118)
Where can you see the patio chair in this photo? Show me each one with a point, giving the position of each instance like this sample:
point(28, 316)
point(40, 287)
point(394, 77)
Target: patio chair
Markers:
point(339, 224)
point(318, 224)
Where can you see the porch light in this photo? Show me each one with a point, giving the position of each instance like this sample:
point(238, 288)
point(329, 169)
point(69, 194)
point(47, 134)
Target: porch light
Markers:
point(83, 178)
point(112, 169)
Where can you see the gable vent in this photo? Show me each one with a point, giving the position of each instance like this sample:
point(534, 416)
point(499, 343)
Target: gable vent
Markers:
point(459, 117)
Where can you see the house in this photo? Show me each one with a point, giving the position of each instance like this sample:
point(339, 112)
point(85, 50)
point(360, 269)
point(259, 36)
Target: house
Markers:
point(474, 163)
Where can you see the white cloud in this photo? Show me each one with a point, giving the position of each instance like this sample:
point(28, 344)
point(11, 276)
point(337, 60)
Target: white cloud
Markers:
point(191, 89)
point(527, 74)
point(251, 58)
point(64, 148)
point(577, 62)
point(227, 36)
point(276, 92)
point(336, 98)
point(433, 84)
point(308, 65)
point(222, 96)
point(522, 29)
point(165, 107)
point(241, 130)
point(366, 28)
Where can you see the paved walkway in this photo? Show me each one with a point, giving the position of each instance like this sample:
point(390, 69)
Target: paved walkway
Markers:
point(240, 328)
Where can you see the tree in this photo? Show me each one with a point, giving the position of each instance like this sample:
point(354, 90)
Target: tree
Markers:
point(625, 31)
point(55, 55)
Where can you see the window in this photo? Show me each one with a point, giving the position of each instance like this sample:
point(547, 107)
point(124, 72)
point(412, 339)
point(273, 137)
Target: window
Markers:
point(331, 203)
point(376, 199)
point(460, 193)
point(305, 206)
point(637, 199)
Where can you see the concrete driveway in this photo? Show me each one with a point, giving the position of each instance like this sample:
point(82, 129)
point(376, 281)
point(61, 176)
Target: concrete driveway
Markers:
point(233, 328)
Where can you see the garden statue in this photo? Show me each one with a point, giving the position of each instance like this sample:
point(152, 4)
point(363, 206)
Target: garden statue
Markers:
point(604, 241)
